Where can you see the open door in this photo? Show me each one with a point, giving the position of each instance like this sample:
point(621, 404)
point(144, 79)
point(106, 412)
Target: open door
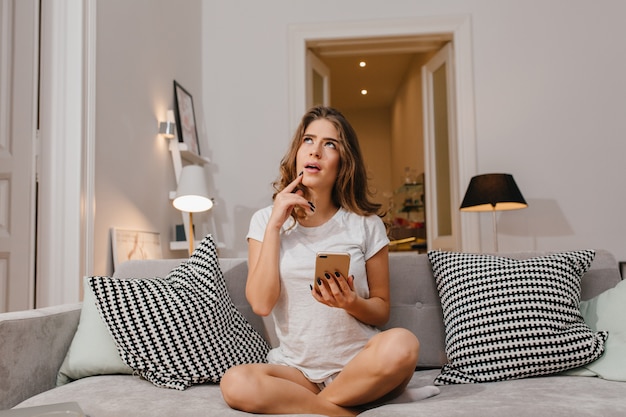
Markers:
point(317, 81)
point(440, 147)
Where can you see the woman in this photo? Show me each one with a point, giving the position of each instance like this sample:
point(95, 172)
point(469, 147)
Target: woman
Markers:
point(332, 358)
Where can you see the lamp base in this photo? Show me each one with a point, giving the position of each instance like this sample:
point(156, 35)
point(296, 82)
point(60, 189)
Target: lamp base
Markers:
point(495, 231)
point(190, 238)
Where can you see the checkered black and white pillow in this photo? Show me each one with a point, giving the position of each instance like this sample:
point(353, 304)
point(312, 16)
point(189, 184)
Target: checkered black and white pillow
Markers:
point(182, 329)
point(508, 319)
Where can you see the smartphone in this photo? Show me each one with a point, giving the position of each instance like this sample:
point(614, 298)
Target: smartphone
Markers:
point(331, 262)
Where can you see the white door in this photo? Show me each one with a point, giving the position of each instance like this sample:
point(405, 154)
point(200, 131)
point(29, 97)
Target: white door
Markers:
point(440, 147)
point(19, 26)
point(317, 81)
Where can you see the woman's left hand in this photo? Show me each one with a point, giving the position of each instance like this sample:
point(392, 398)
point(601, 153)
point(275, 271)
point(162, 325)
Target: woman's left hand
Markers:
point(335, 290)
point(338, 291)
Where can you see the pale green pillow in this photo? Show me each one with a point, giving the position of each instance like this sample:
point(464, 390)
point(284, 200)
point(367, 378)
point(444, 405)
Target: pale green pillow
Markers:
point(93, 350)
point(607, 312)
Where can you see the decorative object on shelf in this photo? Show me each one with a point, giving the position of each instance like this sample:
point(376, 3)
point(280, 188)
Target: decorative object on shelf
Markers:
point(493, 192)
point(412, 192)
point(179, 149)
point(192, 196)
point(168, 127)
point(186, 119)
point(412, 201)
point(179, 233)
point(410, 176)
point(134, 244)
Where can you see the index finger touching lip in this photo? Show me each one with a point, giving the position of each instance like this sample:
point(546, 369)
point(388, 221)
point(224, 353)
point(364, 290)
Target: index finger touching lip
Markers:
point(293, 186)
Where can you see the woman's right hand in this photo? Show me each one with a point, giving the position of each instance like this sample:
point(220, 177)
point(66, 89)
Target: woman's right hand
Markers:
point(263, 285)
point(286, 200)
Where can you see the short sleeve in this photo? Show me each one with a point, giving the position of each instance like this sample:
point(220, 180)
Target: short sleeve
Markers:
point(258, 223)
point(376, 236)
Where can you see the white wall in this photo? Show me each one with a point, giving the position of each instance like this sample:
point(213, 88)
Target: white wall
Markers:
point(549, 100)
point(142, 46)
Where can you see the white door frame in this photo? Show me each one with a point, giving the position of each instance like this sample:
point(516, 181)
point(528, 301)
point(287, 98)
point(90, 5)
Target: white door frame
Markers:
point(67, 135)
point(458, 26)
point(435, 237)
point(315, 65)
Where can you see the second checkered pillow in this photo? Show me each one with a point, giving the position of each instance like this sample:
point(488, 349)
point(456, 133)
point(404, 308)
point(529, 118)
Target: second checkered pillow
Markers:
point(508, 319)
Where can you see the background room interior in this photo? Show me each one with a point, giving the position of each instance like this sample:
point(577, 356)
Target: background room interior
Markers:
point(543, 98)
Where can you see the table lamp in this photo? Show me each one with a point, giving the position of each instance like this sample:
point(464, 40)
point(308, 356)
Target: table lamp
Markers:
point(192, 196)
point(493, 192)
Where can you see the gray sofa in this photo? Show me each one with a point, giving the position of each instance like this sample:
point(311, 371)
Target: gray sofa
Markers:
point(33, 345)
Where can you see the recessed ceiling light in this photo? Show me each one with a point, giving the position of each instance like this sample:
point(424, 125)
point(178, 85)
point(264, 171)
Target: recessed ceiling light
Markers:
point(362, 64)
point(364, 92)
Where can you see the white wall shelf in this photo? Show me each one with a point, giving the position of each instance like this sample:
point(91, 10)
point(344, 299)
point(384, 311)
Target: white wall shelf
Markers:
point(180, 151)
point(182, 245)
point(188, 155)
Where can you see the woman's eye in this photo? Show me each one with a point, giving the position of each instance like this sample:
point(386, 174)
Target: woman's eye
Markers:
point(330, 144)
point(307, 140)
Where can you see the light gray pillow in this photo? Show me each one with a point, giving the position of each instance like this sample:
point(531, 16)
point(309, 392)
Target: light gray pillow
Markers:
point(92, 351)
point(607, 312)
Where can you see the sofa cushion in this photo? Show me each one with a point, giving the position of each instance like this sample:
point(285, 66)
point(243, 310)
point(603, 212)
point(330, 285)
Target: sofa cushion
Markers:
point(182, 329)
point(508, 319)
point(415, 305)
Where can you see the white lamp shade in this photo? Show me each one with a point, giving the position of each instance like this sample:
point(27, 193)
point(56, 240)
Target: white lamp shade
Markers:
point(191, 195)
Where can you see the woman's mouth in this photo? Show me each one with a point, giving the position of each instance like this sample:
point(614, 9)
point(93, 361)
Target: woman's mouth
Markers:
point(312, 167)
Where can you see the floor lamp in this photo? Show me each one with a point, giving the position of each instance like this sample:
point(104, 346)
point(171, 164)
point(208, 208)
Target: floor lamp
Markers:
point(192, 196)
point(493, 192)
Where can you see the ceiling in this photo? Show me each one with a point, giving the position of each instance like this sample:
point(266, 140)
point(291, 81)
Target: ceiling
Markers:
point(387, 59)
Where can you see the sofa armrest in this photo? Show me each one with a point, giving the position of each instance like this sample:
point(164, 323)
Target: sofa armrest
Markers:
point(33, 344)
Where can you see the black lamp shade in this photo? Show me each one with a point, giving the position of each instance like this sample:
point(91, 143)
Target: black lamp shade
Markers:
point(488, 192)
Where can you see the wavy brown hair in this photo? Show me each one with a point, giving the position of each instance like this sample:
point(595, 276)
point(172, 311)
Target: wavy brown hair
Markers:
point(351, 190)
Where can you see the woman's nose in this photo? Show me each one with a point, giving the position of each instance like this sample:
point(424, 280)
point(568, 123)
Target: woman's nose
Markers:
point(315, 151)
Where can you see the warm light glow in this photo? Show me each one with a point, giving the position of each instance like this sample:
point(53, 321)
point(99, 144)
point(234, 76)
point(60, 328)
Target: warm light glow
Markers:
point(364, 92)
point(168, 127)
point(362, 64)
point(193, 203)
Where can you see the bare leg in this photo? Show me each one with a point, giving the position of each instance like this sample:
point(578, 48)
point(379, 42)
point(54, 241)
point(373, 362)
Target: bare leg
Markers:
point(381, 371)
point(275, 389)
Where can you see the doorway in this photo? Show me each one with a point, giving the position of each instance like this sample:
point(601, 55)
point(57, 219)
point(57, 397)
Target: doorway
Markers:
point(399, 44)
point(382, 87)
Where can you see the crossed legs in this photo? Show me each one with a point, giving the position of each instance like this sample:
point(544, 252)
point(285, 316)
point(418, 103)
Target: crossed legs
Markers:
point(381, 371)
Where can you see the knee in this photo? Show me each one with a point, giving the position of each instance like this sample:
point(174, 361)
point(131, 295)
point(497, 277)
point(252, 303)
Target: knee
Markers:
point(235, 386)
point(406, 347)
point(401, 349)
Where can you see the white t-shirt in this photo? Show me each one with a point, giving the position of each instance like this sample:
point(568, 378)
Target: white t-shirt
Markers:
point(314, 338)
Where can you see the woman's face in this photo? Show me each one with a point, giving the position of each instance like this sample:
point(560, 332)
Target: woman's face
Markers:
point(318, 155)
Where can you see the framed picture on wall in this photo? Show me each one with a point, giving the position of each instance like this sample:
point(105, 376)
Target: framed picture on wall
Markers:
point(134, 244)
point(185, 118)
